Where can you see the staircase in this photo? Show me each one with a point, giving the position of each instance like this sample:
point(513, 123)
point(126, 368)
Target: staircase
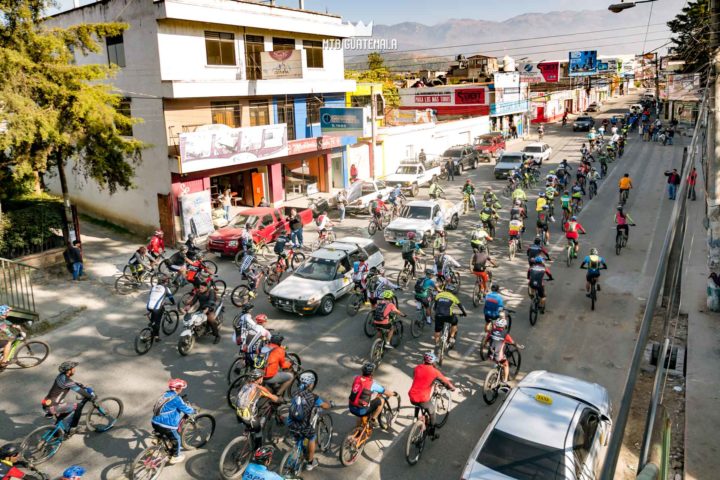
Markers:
point(16, 289)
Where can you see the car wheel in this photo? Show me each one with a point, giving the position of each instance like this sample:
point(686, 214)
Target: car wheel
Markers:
point(415, 189)
point(327, 304)
point(460, 168)
point(454, 222)
point(475, 163)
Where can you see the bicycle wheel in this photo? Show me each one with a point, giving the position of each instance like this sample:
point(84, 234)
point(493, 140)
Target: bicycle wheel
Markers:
point(485, 348)
point(263, 253)
point(490, 387)
point(415, 443)
point(149, 463)
point(618, 244)
point(220, 287)
point(211, 266)
point(235, 458)
point(403, 278)
point(196, 432)
point(291, 464)
point(144, 341)
point(240, 295)
point(512, 250)
point(125, 284)
point(297, 260)
point(350, 450)
point(372, 228)
point(354, 303)
point(568, 255)
point(170, 322)
point(514, 360)
point(324, 432)
point(237, 260)
point(389, 414)
point(477, 295)
point(593, 296)
point(455, 280)
point(31, 354)
point(103, 414)
point(534, 307)
point(418, 324)
point(237, 369)
point(369, 326)
point(443, 402)
point(296, 388)
point(377, 350)
point(41, 444)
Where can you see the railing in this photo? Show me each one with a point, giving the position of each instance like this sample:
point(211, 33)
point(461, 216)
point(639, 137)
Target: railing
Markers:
point(16, 288)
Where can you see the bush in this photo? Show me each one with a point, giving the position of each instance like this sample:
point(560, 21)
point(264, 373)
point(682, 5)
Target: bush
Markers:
point(31, 226)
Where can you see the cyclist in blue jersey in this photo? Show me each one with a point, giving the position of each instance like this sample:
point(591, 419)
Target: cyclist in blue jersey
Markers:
point(493, 304)
point(593, 263)
point(258, 467)
point(424, 293)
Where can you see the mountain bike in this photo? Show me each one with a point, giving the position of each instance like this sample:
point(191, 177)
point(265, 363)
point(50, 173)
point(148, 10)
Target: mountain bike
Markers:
point(168, 324)
point(378, 222)
point(570, 253)
point(593, 291)
point(260, 250)
point(513, 247)
point(445, 343)
point(242, 293)
point(534, 306)
point(377, 350)
point(404, 275)
point(277, 268)
point(467, 203)
point(417, 437)
point(493, 380)
point(26, 353)
point(130, 282)
point(478, 294)
point(325, 238)
point(487, 341)
point(354, 443)
point(356, 299)
point(624, 194)
point(621, 239)
point(592, 190)
point(452, 278)
point(294, 461)
point(419, 322)
point(296, 370)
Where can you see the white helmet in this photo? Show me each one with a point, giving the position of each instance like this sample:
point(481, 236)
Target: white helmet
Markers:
point(500, 322)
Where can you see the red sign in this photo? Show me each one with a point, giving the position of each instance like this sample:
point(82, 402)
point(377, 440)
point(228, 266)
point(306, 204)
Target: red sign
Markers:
point(305, 145)
point(470, 96)
point(433, 99)
point(550, 71)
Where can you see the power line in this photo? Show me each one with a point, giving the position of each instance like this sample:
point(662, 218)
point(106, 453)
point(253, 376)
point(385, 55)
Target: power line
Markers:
point(647, 29)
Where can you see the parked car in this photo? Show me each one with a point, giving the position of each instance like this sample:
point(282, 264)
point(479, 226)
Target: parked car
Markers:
point(508, 162)
point(583, 123)
point(362, 192)
point(266, 223)
point(462, 156)
point(413, 175)
point(489, 146)
point(417, 216)
point(324, 277)
point(550, 426)
point(593, 107)
point(538, 151)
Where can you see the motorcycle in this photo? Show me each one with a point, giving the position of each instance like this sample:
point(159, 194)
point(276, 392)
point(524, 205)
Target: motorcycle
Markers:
point(195, 326)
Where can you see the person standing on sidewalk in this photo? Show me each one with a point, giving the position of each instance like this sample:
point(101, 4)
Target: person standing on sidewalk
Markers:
point(450, 167)
point(673, 181)
point(341, 203)
point(296, 229)
point(670, 135)
point(74, 259)
point(691, 181)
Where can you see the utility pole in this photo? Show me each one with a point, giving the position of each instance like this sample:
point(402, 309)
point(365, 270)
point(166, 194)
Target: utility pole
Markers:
point(657, 85)
point(713, 202)
point(373, 117)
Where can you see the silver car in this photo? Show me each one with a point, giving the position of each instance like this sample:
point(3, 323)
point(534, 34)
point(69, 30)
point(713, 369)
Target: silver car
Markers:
point(551, 427)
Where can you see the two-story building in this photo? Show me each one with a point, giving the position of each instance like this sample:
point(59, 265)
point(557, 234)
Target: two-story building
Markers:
point(229, 93)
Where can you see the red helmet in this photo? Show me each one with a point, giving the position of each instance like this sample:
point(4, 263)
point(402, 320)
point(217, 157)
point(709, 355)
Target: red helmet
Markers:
point(261, 319)
point(176, 383)
point(159, 233)
point(411, 235)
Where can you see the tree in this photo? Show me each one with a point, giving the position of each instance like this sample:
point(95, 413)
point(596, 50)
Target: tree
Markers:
point(691, 39)
point(52, 110)
point(378, 73)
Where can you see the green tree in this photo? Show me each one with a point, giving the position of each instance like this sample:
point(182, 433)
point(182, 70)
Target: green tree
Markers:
point(378, 73)
point(691, 36)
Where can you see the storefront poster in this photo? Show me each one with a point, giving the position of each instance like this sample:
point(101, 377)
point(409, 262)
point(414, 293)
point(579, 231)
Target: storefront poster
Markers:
point(281, 64)
point(345, 121)
point(196, 213)
point(208, 149)
point(684, 87)
point(548, 72)
point(447, 100)
point(582, 63)
point(308, 145)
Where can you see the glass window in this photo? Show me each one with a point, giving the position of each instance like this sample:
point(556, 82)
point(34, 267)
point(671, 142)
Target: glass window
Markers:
point(266, 220)
point(313, 53)
point(583, 437)
point(225, 113)
point(371, 248)
point(318, 269)
point(125, 109)
point(116, 50)
point(313, 105)
point(259, 113)
point(416, 212)
point(286, 114)
point(283, 44)
point(520, 458)
point(254, 45)
point(220, 48)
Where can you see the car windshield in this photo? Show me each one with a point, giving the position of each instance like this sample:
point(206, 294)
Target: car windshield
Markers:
point(240, 220)
point(407, 170)
point(584, 119)
point(368, 188)
point(521, 459)
point(510, 159)
point(485, 142)
point(532, 149)
point(417, 212)
point(452, 153)
point(317, 269)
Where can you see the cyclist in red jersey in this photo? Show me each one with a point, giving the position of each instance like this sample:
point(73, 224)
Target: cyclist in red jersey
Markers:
point(156, 247)
point(572, 231)
point(9, 458)
point(424, 377)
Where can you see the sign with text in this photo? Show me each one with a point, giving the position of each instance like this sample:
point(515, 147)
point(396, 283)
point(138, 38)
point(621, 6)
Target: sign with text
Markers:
point(540, 72)
point(445, 96)
point(684, 87)
point(582, 63)
point(308, 145)
point(345, 121)
point(281, 64)
point(470, 96)
point(196, 213)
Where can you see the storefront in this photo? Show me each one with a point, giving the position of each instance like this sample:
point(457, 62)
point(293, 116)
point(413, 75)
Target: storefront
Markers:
point(504, 116)
point(551, 107)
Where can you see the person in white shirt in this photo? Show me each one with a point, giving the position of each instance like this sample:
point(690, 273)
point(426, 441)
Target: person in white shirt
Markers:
point(443, 261)
point(614, 130)
point(249, 331)
point(156, 304)
point(615, 138)
point(381, 283)
point(323, 223)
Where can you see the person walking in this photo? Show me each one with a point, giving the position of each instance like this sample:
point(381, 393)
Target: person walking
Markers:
point(422, 157)
point(74, 259)
point(673, 181)
point(691, 180)
point(226, 202)
point(341, 203)
point(450, 167)
point(670, 135)
point(296, 229)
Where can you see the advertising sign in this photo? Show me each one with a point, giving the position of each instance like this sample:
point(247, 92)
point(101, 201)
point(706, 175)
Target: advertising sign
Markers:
point(684, 87)
point(506, 79)
point(613, 65)
point(208, 149)
point(582, 63)
point(602, 67)
point(447, 100)
point(540, 72)
point(281, 64)
point(196, 212)
point(345, 121)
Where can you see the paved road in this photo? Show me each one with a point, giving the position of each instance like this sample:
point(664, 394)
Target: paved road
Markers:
point(569, 339)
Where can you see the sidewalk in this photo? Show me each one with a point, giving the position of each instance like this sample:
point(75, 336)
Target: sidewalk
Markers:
point(702, 395)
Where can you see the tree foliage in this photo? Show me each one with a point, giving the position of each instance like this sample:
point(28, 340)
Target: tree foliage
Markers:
point(691, 35)
point(377, 72)
point(51, 109)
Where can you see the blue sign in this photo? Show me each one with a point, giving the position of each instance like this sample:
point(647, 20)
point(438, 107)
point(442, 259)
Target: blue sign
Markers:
point(583, 63)
point(506, 108)
point(344, 121)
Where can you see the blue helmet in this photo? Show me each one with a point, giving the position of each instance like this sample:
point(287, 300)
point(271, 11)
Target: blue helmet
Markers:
point(539, 260)
point(74, 471)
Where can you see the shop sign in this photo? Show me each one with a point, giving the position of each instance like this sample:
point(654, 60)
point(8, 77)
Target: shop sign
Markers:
point(582, 63)
point(506, 108)
point(308, 145)
point(196, 212)
point(540, 72)
point(281, 64)
point(684, 87)
point(345, 121)
point(208, 149)
point(506, 79)
point(445, 98)
point(470, 96)
point(434, 98)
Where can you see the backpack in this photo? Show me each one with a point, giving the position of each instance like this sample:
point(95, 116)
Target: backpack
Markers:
point(594, 262)
point(407, 247)
point(246, 402)
point(360, 393)
point(301, 407)
point(379, 312)
point(420, 290)
point(161, 402)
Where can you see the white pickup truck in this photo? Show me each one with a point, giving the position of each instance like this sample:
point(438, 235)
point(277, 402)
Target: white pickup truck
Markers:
point(412, 176)
point(417, 216)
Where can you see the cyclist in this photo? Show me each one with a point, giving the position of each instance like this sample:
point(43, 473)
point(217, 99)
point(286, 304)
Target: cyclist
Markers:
point(395, 196)
point(54, 402)
point(469, 190)
point(360, 273)
point(494, 304)
point(323, 224)
point(8, 332)
point(542, 227)
point(536, 250)
point(593, 263)
point(443, 265)
point(439, 222)
point(365, 396)
point(576, 193)
point(168, 411)
point(248, 331)
point(248, 273)
point(499, 336)
point(252, 399)
point(584, 152)
point(276, 362)
point(519, 195)
point(445, 303)
point(378, 207)
point(515, 229)
point(381, 316)
point(10, 460)
point(518, 209)
point(156, 247)
point(179, 261)
point(281, 243)
point(572, 231)
point(302, 408)
point(247, 243)
point(550, 193)
point(258, 468)
point(379, 283)
point(479, 237)
point(551, 180)
point(623, 221)
point(435, 190)
point(536, 274)
point(139, 262)
point(565, 201)
point(541, 201)
point(409, 248)
point(625, 184)
point(424, 291)
point(204, 299)
point(488, 215)
point(74, 472)
point(478, 265)
point(593, 177)
point(424, 377)
point(489, 196)
point(156, 304)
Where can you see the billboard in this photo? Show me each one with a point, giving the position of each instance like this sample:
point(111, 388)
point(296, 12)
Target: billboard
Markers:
point(582, 63)
point(345, 121)
point(447, 99)
point(281, 64)
point(684, 87)
point(208, 149)
point(540, 72)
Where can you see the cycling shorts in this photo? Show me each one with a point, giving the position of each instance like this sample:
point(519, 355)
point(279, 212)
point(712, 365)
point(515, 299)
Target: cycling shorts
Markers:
point(407, 256)
point(498, 356)
point(542, 226)
point(440, 320)
point(382, 326)
point(573, 240)
point(592, 274)
point(365, 411)
point(540, 289)
point(175, 268)
point(424, 301)
point(489, 317)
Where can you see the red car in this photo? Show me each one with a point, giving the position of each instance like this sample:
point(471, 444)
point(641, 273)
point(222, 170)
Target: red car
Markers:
point(489, 145)
point(267, 223)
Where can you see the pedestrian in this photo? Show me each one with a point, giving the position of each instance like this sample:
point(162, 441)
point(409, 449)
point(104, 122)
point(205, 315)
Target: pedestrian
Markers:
point(670, 135)
point(691, 180)
point(263, 202)
point(342, 202)
point(513, 131)
point(422, 158)
point(646, 132)
point(226, 202)
point(74, 259)
point(296, 229)
point(673, 181)
point(353, 173)
point(450, 167)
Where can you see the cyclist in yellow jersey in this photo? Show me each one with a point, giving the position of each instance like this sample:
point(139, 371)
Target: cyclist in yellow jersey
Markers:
point(625, 183)
point(540, 202)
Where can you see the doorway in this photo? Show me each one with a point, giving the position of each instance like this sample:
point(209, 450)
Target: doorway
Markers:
point(338, 180)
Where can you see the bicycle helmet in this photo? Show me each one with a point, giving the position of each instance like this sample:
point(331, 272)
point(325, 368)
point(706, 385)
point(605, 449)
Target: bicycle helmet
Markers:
point(387, 295)
point(307, 379)
point(183, 248)
point(247, 307)
point(539, 260)
point(442, 248)
point(368, 368)
point(481, 248)
point(9, 450)
point(379, 197)
point(593, 251)
point(551, 172)
point(263, 455)
point(410, 235)
point(4, 310)
point(537, 241)
point(255, 374)
point(159, 233)
point(451, 288)
point(429, 358)
point(75, 471)
point(541, 194)
point(429, 272)
point(176, 383)
point(67, 366)
point(619, 207)
point(573, 218)
point(261, 319)
point(277, 339)
point(500, 322)
point(495, 287)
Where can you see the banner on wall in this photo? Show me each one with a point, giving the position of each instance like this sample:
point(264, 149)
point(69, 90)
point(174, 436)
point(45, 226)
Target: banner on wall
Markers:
point(540, 72)
point(582, 63)
point(196, 213)
point(281, 64)
point(684, 87)
point(345, 121)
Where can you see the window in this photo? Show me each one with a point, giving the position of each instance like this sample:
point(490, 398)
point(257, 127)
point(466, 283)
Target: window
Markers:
point(314, 53)
point(220, 48)
point(225, 113)
point(124, 108)
point(116, 50)
point(259, 113)
point(313, 105)
point(521, 458)
point(286, 114)
point(254, 45)
point(371, 249)
point(267, 220)
point(283, 44)
point(583, 438)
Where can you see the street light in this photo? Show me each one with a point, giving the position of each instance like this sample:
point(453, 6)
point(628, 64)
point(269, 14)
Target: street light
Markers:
point(619, 7)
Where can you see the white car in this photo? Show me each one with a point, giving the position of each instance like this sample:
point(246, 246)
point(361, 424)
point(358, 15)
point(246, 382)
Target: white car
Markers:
point(324, 277)
point(362, 192)
point(538, 151)
point(551, 427)
point(417, 216)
